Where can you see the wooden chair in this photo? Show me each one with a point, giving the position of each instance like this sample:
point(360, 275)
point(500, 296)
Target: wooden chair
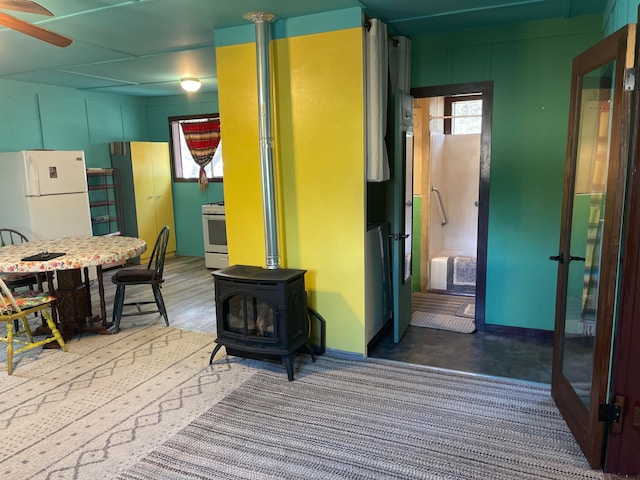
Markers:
point(151, 275)
point(16, 280)
point(17, 307)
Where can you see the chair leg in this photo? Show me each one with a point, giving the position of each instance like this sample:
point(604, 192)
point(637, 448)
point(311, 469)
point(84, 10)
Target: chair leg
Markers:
point(160, 303)
point(118, 302)
point(9, 348)
point(27, 329)
point(54, 330)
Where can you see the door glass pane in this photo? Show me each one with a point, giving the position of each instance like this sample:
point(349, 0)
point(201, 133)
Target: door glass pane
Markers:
point(586, 228)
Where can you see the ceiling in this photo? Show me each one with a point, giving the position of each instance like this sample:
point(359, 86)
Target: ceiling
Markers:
point(143, 47)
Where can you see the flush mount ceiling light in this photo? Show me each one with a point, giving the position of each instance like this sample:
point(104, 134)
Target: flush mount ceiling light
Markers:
point(190, 84)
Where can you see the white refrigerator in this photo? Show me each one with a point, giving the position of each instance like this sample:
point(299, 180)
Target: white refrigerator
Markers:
point(43, 193)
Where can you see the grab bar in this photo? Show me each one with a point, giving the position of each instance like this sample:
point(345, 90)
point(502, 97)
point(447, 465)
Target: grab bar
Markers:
point(443, 215)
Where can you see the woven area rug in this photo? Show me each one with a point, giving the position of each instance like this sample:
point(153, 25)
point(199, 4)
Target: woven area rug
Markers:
point(434, 310)
point(343, 418)
point(96, 409)
point(466, 310)
point(451, 323)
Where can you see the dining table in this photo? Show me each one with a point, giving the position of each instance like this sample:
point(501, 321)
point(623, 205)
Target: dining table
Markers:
point(70, 258)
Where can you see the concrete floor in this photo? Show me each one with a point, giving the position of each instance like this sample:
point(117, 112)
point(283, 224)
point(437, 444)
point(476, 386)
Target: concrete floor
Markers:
point(483, 353)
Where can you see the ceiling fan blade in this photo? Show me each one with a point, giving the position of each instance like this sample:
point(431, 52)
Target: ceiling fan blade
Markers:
point(25, 6)
point(35, 31)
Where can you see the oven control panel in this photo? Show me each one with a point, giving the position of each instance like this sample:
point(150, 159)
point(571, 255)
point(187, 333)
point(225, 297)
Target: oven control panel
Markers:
point(214, 208)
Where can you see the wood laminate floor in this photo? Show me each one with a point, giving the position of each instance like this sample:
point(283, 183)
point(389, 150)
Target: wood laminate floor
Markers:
point(189, 296)
point(188, 293)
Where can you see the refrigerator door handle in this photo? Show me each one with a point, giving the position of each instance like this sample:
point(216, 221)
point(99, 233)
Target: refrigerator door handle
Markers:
point(33, 180)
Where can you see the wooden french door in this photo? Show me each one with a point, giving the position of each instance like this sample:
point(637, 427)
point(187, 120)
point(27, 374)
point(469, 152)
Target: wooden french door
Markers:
point(589, 253)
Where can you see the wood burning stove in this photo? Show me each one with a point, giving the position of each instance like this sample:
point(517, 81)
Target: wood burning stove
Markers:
point(261, 313)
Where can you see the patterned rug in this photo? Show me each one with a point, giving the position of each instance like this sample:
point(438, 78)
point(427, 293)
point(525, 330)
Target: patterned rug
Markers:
point(450, 323)
point(344, 418)
point(91, 412)
point(443, 312)
point(461, 275)
point(466, 310)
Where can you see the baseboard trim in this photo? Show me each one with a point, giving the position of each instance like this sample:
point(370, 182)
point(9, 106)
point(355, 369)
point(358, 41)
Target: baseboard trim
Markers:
point(516, 331)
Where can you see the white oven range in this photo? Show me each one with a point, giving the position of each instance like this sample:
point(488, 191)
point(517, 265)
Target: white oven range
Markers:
point(215, 235)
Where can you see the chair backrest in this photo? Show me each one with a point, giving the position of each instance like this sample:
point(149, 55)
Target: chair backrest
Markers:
point(8, 236)
point(7, 302)
point(156, 262)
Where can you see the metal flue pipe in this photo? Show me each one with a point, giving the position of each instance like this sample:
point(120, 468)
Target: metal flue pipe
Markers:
point(262, 21)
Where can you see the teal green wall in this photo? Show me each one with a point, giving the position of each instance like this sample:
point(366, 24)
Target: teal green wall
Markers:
point(530, 66)
point(40, 116)
point(618, 13)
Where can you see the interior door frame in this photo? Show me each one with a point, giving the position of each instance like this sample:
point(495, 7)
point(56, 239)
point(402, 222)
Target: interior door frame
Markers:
point(583, 422)
point(486, 89)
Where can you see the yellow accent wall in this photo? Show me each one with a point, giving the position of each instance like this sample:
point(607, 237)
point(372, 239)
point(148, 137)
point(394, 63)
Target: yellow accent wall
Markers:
point(318, 123)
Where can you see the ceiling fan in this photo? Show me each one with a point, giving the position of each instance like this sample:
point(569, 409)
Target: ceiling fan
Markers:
point(28, 28)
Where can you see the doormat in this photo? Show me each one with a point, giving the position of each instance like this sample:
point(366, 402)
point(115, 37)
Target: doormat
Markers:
point(443, 322)
point(467, 310)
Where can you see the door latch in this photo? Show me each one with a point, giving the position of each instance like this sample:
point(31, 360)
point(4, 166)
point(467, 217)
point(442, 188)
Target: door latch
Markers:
point(557, 258)
point(398, 236)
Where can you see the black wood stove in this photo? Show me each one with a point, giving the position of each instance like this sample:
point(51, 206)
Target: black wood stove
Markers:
point(261, 313)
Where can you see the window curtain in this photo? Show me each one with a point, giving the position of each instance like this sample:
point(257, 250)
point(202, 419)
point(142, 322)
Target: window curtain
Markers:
point(202, 139)
point(376, 94)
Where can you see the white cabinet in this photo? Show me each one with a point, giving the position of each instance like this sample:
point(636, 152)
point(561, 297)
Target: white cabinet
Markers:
point(378, 302)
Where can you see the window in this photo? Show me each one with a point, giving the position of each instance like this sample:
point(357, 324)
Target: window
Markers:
point(185, 169)
point(463, 114)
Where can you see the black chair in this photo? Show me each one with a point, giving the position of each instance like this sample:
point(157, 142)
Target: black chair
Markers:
point(151, 275)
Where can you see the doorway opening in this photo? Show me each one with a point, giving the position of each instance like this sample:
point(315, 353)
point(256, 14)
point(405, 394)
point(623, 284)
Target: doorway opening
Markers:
point(488, 351)
point(452, 144)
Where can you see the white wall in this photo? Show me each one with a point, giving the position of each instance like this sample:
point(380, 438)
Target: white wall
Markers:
point(455, 172)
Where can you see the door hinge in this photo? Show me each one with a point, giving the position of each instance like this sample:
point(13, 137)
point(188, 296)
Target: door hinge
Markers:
point(630, 79)
point(636, 416)
point(609, 413)
point(612, 413)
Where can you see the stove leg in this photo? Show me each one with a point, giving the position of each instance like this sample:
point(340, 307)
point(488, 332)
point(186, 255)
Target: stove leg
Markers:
point(213, 354)
point(308, 348)
point(288, 364)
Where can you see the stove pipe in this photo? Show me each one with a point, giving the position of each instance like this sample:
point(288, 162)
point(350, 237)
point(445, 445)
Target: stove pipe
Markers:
point(262, 21)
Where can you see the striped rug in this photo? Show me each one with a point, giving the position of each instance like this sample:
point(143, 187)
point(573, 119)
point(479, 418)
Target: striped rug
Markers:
point(372, 419)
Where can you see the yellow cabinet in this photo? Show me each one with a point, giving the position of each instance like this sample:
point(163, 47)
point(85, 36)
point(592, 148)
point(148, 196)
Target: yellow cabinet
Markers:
point(147, 199)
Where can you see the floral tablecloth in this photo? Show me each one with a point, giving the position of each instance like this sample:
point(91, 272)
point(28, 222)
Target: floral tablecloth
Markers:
point(78, 252)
